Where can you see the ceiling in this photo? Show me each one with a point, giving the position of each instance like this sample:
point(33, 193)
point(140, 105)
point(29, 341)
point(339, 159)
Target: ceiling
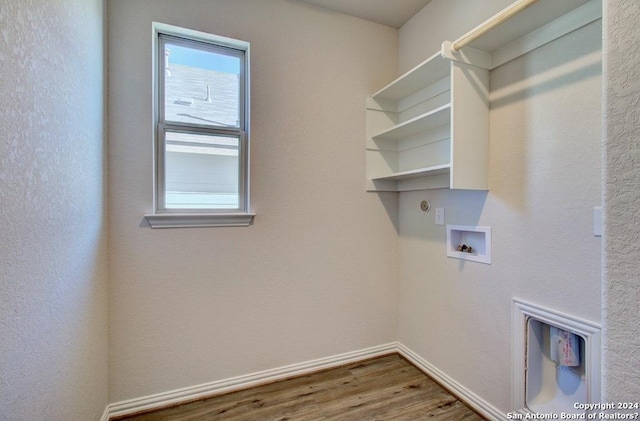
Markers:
point(394, 13)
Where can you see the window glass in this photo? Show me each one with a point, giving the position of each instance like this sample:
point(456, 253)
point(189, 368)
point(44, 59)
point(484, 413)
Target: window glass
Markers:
point(202, 85)
point(202, 171)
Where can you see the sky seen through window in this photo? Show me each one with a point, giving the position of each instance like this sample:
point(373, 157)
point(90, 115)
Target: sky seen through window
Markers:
point(203, 59)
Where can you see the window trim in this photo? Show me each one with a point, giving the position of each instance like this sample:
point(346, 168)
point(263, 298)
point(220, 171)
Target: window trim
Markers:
point(175, 218)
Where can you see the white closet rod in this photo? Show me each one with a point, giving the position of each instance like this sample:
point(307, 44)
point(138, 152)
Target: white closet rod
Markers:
point(496, 20)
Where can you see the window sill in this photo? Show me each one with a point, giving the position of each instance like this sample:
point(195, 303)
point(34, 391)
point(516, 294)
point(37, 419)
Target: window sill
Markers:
point(199, 220)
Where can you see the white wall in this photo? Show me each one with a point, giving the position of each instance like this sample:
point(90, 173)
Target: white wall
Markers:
point(621, 181)
point(316, 274)
point(545, 179)
point(326, 249)
point(53, 292)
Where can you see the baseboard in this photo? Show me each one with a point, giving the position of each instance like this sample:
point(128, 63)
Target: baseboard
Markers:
point(481, 406)
point(179, 396)
point(192, 393)
point(105, 414)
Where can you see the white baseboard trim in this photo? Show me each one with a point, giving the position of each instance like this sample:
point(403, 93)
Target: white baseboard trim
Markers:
point(192, 393)
point(105, 414)
point(483, 407)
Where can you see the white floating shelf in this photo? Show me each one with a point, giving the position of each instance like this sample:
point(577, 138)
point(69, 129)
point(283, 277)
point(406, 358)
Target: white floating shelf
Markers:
point(427, 121)
point(424, 74)
point(420, 172)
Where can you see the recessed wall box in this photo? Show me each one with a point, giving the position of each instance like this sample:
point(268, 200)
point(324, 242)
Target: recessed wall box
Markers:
point(540, 383)
point(469, 243)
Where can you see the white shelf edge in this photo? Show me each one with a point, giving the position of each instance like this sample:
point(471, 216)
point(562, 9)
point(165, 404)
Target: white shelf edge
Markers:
point(414, 79)
point(395, 131)
point(420, 172)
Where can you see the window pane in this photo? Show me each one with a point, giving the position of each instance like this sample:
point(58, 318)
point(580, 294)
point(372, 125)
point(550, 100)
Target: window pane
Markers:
point(201, 171)
point(201, 86)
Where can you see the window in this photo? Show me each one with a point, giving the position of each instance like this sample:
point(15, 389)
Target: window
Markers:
point(201, 111)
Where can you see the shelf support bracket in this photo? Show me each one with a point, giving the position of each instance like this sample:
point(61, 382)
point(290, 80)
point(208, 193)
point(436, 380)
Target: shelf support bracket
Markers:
point(469, 55)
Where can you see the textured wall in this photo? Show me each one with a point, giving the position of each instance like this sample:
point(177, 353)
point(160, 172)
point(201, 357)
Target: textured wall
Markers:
point(622, 222)
point(545, 179)
point(315, 275)
point(53, 295)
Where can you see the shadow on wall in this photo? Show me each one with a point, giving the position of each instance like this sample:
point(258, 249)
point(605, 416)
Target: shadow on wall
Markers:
point(390, 202)
point(552, 79)
point(462, 207)
point(535, 109)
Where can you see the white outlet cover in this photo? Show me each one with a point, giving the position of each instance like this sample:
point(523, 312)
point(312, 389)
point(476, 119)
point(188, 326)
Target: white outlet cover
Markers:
point(597, 221)
point(439, 216)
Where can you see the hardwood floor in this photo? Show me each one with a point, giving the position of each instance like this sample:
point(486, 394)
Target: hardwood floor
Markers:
point(382, 389)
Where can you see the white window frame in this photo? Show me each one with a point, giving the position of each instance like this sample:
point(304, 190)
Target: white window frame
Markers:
point(163, 217)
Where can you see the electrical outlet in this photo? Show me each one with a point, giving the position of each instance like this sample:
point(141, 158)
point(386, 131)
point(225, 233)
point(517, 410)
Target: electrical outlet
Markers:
point(439, 216)
point(597, 221)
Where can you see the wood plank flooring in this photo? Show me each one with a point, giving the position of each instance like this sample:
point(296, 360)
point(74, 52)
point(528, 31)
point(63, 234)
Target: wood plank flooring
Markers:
point(387, 388)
